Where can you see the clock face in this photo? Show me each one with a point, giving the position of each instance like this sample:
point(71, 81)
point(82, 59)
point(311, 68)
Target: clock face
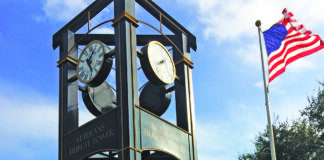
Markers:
point(161, 62)
point(90, 61)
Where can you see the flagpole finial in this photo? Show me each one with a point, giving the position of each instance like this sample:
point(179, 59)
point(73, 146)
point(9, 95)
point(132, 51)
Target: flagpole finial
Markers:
point(258, 23)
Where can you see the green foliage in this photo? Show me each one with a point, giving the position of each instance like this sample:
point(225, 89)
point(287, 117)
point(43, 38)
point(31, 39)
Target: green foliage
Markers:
point(314, 113)
point(300, 139)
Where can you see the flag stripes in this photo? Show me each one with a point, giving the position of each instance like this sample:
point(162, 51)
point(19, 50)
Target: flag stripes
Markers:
point(299, 42)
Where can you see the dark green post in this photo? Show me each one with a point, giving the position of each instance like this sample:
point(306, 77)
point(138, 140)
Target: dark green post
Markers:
point(185, 106)
point(68, 106)
point(126, 75)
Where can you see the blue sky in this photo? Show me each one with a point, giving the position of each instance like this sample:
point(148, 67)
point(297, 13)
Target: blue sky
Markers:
point(228, 89)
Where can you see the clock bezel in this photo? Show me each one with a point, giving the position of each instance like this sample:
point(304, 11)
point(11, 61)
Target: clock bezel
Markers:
point(104, 68)
point(91, 105)
point(149, 70)
point(155, 98)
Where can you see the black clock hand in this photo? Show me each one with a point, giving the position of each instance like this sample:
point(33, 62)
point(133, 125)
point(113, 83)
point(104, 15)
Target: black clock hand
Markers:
point(88, 63)
point(90, 58)
point(91, 54)
point(162, 61)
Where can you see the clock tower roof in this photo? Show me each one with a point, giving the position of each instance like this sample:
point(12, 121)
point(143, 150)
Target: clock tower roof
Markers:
point(97, 6)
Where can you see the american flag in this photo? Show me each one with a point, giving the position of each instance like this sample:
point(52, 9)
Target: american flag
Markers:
point(287, 41)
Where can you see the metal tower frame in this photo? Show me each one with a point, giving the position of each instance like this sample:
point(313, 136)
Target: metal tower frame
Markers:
point(128, 131)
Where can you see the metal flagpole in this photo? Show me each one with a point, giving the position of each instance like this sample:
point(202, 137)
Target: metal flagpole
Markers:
point(266, 92)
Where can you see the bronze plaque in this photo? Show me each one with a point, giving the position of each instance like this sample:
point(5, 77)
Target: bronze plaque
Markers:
point(92, 137)
point(157, 134)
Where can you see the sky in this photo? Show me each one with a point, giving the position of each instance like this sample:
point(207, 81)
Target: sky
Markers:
point(227, 76)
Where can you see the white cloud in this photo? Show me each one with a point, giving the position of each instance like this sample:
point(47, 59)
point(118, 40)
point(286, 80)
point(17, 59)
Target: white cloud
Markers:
point(259, 84)
point(39, 19)
point(103, 30)
point(215, 141)
point(249, 55)
point(208, 140)
point(288, 110)
point(228, 20)
point(234, 21)
point(29, 120)
point(28, 116)
point(220, 20)
point(64, 10)
point(225, 138)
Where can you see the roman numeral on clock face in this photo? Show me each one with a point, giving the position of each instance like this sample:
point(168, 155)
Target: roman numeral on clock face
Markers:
point(81, 74)
point(90, 48)
point(98, 47)
point(86, 54)
point(98, 62)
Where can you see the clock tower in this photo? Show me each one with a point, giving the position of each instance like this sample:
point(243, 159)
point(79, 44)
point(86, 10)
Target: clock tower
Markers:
point(127, 123)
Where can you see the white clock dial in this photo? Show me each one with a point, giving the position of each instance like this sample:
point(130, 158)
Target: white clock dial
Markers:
point(91, 61)
point(161, 62)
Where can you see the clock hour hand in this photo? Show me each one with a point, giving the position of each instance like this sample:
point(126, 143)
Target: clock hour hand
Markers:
point(88, 63)
point(162, 61)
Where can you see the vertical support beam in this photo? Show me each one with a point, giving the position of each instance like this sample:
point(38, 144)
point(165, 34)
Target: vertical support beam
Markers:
point(185, 107)
point(192, 113)
point(68, 100)
point(181, 85)
point(126, 75)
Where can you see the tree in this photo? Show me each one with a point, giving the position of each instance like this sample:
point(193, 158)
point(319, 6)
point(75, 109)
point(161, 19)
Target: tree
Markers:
point(295, 141)
point(314, 113)
point(300, 139)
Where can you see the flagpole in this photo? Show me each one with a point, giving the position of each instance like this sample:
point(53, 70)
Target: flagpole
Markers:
point(266, 92)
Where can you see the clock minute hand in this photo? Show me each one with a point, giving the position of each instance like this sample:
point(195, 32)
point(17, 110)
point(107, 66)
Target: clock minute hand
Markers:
point(91, 55)
point(89, 60)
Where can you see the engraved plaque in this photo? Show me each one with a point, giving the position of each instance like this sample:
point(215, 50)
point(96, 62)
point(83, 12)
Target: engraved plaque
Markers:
point(157, 134)
point(96, 135)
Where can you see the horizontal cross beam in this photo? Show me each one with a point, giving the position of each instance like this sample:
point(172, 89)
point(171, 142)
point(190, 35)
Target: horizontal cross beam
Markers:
point(168, 21)
point(109, 39)
point(81, 19)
